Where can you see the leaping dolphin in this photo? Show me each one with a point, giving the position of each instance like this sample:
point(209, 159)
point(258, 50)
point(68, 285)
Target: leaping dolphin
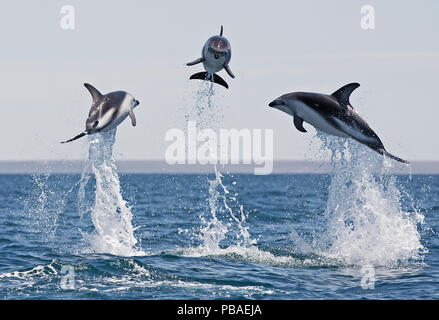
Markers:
point(215, 56)
point(107, 111)
point(332, 114)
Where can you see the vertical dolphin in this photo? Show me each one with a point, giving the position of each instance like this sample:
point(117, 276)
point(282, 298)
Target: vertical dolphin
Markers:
point(215, 56)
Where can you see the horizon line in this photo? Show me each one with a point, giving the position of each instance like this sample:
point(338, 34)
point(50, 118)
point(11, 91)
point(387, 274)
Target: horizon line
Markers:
point(161, 166)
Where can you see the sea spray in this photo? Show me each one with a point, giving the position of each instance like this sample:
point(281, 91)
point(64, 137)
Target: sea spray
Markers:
point(365, 221)
point(242, 236)
point(225, 219)
point(206, 113)
point(110, 214)
point(48, 206)
point(213, 231)
point(44, 207)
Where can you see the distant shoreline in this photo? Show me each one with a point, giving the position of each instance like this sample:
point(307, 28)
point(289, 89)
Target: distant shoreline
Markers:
point(157, 166)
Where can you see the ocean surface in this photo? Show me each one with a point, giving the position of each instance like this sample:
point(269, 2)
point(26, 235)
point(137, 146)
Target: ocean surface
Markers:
point(359, 232)
point(223, 236)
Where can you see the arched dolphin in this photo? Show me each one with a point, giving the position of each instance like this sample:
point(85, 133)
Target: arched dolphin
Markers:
point(215, 56)
point(332, 114)
point(107, 111)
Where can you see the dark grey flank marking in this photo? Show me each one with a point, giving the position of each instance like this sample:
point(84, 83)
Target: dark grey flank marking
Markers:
point(105, 104)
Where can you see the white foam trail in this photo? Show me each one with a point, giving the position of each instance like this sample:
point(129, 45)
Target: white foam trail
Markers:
point(111, 215)
point(365, 221)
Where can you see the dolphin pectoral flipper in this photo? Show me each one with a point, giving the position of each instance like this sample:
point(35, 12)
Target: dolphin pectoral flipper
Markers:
point(77, 137)
point(195, 62)
point(227, 68)
point(298, 123)
point(133, 117)
point(206, 76)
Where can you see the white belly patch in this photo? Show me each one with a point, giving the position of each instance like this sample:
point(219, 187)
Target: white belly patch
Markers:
point(213, 65)
point(111, 120)
point(318, 121)
point(356, 134)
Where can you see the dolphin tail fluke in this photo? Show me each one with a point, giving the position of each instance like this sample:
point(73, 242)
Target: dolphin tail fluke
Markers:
point(196, 61)
point(200, 75)
point(227, 68)
point(380, 150)
point(206, 76)
point(77, 137)
point(220, 81)
point(391, 156)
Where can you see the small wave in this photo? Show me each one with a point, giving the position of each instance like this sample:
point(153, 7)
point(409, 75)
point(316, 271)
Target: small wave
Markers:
point(254, 255)
point(115, 275)
point(41, 271)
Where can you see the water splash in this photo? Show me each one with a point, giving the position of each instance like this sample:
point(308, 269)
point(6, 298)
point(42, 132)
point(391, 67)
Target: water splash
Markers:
point(365, 221)
point(110, 214)
point(206, 111)
point(213, 230)
point(43, 207)
point(225, 219)
point(222, 222)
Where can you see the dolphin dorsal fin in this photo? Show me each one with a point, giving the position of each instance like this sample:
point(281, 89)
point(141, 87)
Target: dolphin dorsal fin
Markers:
point(221, 32)
point(95, 94)
point(342, 95)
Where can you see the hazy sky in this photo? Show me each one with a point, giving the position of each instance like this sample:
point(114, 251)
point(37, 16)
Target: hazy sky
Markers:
point(278, 47)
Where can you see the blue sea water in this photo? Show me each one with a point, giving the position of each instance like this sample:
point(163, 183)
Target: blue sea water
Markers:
point(219, 237)
point(357, 233)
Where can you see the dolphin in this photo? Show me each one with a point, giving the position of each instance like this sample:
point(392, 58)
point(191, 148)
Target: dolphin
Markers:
point(215, 56)
point(332, 114)
point(107, 111)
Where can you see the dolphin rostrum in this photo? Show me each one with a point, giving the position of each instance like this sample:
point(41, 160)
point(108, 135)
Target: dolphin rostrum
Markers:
point(332, 114)
point(215, 56)
point(107, 111)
